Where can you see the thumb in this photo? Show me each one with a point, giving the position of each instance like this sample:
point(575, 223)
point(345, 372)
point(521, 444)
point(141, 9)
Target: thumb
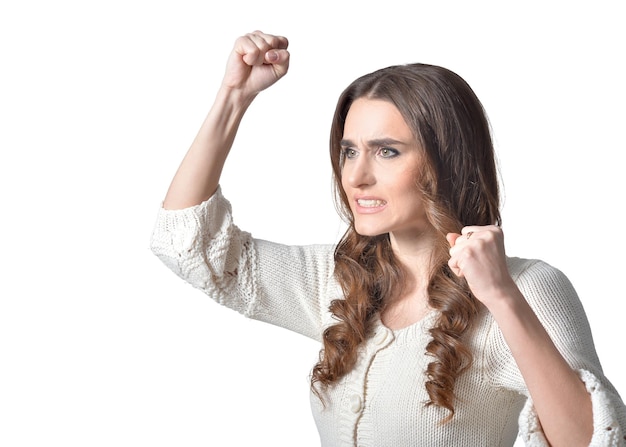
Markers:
point(277, 57)
point(272, 57)
point(451, 238)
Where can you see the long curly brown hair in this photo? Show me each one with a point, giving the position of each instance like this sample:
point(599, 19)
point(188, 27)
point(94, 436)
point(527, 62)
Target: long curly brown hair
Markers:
point(459, 184)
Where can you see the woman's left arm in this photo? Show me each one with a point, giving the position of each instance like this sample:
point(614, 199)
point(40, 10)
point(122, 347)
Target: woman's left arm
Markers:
point(560, 398)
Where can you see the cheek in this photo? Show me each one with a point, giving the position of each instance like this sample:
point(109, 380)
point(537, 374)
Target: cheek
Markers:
point(403, 182)
point(409, 193)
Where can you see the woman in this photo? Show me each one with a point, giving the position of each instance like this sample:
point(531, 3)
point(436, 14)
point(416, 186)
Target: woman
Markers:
point(430, 334)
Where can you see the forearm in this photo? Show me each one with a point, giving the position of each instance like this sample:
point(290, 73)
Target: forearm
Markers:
point(560, 398)
point(199, 173)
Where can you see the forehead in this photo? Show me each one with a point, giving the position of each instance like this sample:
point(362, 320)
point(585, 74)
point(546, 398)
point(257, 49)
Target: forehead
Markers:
point(375, 118)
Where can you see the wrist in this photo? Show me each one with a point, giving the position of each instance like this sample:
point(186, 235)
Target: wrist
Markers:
point(504, 301)
point(235, 98)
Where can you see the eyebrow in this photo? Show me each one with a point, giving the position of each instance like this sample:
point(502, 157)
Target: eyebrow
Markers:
point(379, 142)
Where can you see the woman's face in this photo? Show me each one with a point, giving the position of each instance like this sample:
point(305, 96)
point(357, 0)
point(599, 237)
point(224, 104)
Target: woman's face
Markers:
point(381, 165)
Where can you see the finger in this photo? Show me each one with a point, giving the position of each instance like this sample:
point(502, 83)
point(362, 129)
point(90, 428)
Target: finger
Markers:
point(269, 47)
point(277, 53)
point(277, 57)
point(469, 231)
point(273, 41)
point(253, 47)
point(247, 48)
point(279, 61)
point(454, 267)
point(452, 237)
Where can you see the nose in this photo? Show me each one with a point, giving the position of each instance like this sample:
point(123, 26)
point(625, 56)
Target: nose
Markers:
point(358, 173)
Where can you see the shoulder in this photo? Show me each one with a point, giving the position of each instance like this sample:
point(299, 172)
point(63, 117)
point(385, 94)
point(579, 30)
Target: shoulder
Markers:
point(534, 276)
point(550, 293)
point(522, 267)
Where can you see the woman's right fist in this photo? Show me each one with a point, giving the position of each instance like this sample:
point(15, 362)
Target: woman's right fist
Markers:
point(257, 61)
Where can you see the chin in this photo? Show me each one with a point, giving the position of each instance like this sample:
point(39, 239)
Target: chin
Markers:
point(369, 232)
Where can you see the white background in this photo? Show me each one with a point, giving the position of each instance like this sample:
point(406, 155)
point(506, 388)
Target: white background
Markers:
point(100, 345)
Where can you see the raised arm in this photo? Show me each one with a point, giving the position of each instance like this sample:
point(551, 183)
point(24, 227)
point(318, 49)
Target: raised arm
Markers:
point(256, 62)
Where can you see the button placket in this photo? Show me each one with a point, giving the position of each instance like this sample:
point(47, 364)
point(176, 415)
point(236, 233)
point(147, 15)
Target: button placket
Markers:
point(355, 398)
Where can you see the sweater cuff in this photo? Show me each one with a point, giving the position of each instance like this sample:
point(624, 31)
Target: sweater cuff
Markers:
point(606, 428)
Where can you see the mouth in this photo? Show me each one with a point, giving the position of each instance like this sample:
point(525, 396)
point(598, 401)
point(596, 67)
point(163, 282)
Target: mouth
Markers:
point(371, 203)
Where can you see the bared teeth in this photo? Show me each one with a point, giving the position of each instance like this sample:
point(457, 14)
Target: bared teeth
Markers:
point(370, 203)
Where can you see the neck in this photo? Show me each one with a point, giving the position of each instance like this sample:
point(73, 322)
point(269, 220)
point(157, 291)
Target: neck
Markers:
point(410, 304)
point(415, 255)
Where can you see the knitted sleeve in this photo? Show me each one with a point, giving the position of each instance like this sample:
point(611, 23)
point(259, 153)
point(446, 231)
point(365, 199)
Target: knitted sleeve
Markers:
point(558, 307)
point(289, 286)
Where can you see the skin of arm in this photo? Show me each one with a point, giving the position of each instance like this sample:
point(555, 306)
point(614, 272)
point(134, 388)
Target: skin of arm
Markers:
point(561, 400)
point(256, 62)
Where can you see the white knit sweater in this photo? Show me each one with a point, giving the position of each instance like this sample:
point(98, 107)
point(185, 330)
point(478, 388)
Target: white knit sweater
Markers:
point(380, 402)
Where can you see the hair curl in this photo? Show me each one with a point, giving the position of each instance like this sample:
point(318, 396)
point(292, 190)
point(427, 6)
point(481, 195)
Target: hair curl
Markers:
point(459, 185)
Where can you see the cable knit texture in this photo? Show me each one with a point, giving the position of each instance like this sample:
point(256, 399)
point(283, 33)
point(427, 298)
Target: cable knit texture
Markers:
point(380, 403)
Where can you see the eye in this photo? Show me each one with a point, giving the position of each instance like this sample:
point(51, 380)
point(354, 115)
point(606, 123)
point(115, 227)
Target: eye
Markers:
point(349, 153)
point(387, 152)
